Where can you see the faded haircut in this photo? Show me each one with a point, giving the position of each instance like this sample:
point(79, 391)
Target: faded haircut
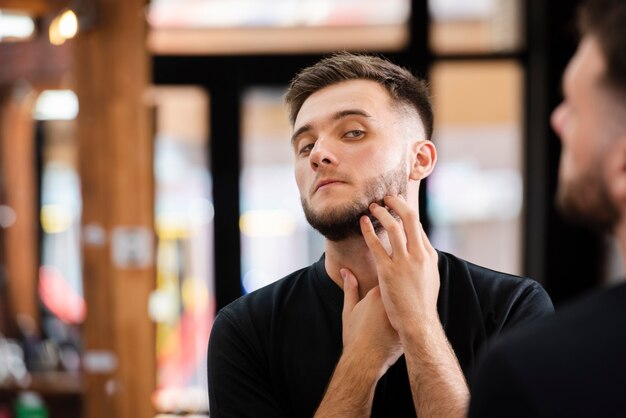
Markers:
point(403, 87)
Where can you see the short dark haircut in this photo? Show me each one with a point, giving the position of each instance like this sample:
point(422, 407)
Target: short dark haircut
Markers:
point(606, 21)
point(402, 86)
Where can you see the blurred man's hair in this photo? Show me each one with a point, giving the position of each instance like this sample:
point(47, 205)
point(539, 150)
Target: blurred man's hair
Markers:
point(606, 21)
point(400, 83)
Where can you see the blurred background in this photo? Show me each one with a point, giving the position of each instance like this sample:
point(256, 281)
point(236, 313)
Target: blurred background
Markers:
point(146, 175)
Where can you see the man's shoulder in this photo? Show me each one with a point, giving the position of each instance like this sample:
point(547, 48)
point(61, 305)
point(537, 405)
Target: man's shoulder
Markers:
point(504, 300)
point(484, 279)
point(267, 298)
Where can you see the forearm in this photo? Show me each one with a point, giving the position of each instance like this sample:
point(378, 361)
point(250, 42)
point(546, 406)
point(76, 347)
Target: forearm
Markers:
point(350, 392)
point(437, 382)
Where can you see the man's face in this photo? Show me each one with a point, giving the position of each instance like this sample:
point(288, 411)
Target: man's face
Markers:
point(583, 122)
point(350, 146)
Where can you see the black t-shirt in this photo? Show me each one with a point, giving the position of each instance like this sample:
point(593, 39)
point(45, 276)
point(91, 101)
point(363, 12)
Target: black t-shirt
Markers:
point(273, 351)
point(570, 365)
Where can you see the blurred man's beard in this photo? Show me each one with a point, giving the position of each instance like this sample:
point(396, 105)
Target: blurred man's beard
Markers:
point(340, 223)
point(586, 200)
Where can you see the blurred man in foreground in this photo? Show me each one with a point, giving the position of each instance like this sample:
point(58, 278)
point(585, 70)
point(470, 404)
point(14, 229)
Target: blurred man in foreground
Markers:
point(574, 364)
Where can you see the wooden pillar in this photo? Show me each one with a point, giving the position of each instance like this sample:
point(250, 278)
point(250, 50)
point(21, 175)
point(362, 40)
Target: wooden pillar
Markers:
point(19, 189)
point(116, 160)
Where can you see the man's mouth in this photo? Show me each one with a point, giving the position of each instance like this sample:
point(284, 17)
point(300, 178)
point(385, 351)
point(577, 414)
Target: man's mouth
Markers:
point(325, 183)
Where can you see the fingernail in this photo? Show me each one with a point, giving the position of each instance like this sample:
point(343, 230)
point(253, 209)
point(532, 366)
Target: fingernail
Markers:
point(343, 275)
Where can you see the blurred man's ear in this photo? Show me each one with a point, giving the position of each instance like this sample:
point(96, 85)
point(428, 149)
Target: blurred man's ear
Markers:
point(615, 171)
point(424, 158)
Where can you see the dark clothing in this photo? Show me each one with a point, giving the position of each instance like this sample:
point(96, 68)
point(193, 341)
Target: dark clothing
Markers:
point(570, 365)
point(272, 352)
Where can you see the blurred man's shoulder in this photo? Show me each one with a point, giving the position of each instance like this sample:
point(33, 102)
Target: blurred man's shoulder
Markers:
point(568, 364)
point(581, 324)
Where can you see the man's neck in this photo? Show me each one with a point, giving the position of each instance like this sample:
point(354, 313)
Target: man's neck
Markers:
point(354, 255)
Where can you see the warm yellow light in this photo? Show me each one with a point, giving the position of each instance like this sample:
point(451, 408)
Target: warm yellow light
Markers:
point(195, 294)
point(68, 24)
point(63, 27)
point(267, 223)
point(171, 227)
point(55, 218)
point(54, 32)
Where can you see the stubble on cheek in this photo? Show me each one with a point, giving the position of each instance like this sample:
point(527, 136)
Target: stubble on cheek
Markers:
point(342, 222)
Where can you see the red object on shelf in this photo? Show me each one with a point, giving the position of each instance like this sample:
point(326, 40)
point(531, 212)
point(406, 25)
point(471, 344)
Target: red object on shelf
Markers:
point(60, 297)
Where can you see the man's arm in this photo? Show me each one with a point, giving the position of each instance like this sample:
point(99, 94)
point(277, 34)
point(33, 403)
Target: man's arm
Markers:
point(437, 382)
point(350, 392)
point(370, 347)
point(409, 283)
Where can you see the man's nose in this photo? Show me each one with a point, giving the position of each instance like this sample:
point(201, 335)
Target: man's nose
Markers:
point(321, 154)
point(558, 118)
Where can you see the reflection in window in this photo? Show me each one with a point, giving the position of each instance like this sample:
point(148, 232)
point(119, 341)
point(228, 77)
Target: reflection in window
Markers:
point(275, 237)
point(475, 193)
point(475, 26)
point(183, 303)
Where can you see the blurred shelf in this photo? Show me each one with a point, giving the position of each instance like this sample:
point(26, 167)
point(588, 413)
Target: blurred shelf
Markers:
point(51, 383)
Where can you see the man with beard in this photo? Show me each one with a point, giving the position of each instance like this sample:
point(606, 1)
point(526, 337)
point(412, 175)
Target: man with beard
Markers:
point(573, 364)
point(382, 325)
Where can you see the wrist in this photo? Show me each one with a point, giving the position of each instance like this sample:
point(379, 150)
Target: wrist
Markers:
point(366, 362)
point(423, 330)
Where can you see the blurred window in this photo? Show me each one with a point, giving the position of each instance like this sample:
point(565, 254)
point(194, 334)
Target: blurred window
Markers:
point(475, 26)
point(269, 26)
point(60, 284)
point(275, 237)
point(475, 194)
point(183, 303)
point(276, 13)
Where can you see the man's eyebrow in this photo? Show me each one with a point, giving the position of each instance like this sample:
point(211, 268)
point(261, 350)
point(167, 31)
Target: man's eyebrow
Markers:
point(300, 131)
point(339, 115)
point(351, 112)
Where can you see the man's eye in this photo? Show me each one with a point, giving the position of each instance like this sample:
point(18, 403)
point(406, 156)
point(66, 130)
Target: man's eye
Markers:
point(305, 149)
point(357, 133)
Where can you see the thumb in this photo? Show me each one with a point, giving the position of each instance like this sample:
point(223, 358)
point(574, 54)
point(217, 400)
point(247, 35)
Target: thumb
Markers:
point(350, 291)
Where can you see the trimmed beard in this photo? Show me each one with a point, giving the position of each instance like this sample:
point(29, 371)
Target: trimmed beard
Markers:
point(586, 200)
point(340, 223)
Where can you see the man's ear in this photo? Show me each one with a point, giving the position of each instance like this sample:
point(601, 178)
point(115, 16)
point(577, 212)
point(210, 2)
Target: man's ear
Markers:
point(615, 171)
point(424, 158)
